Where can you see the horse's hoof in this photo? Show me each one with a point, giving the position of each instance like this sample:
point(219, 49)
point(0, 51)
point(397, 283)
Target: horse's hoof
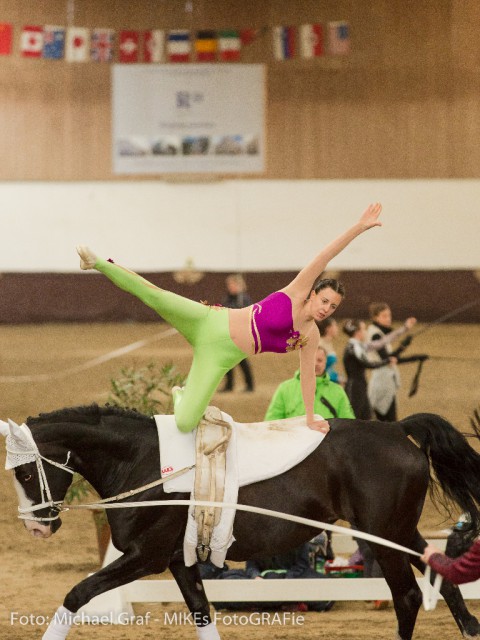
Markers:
point(87, 257)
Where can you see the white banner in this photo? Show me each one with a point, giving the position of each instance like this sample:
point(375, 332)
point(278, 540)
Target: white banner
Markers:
point(188, 118)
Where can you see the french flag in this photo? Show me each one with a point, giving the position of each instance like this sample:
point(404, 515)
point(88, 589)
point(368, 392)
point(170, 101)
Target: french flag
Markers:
point(178, 46)
point(311, 40)
point(283, 42)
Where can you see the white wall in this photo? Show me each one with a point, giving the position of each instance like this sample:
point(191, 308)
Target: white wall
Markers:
point(251, 225)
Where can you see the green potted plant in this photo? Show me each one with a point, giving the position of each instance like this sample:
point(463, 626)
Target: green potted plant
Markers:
point(146, 389)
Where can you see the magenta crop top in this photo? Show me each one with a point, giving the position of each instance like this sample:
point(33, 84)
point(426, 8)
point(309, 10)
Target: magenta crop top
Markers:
point(271, 323)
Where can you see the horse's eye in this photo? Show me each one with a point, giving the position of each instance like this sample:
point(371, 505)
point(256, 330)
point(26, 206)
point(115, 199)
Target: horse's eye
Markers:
point(28, 478)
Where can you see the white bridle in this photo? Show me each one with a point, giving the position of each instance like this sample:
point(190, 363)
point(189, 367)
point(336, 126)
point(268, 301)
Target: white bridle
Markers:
point(23, 455)
point(22, 449)
point(55, 505)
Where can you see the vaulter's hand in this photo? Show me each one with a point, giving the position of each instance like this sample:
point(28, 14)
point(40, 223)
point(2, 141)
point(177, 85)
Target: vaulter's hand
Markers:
point(319, 425)
point(370, 216)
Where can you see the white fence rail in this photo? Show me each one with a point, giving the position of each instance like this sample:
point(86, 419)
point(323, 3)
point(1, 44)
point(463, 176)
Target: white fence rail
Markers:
point(116, 604)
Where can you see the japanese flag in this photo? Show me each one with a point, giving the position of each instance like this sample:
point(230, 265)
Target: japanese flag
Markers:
point(77, 44)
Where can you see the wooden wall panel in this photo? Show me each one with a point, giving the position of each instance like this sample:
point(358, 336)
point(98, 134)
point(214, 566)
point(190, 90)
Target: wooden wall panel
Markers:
point(404, 104)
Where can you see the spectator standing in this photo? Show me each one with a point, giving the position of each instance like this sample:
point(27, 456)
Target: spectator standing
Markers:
point(385, 380)
point(355, 361)
point(328, 332)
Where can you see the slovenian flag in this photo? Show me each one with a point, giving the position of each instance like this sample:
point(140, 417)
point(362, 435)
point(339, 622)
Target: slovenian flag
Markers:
point(31, 42)
point(283, 42)
point(311, 40)
point(178, 45)
point(338, 38)
point(53, 42)
point(154, 45)
point(77, 45)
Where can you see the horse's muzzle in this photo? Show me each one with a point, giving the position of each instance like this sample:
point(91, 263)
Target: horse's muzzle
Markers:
point(55, 525)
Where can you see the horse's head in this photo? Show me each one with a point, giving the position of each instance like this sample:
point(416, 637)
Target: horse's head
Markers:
point(41, 478)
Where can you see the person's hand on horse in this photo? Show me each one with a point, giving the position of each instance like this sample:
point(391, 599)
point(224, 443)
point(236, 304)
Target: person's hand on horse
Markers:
point(369, 217)
point(429, 550)
point(319, 425)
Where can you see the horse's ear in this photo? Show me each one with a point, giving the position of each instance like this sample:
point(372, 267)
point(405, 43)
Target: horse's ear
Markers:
point(14, 429)
point(4, 430)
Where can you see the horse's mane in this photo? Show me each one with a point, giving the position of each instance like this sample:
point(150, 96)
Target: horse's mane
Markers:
point(90, 414)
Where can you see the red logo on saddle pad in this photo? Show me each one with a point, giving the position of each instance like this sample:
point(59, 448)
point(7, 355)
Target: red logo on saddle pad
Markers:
point(167, 470)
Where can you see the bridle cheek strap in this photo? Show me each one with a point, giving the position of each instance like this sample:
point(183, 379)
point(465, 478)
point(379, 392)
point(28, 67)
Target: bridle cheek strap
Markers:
point(44, 488)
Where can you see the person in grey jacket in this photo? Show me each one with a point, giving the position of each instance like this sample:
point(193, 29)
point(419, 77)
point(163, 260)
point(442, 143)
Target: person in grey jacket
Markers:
point(385, 381)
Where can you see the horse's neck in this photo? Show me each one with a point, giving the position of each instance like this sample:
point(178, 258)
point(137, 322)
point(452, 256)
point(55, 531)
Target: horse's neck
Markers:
point(101, 455)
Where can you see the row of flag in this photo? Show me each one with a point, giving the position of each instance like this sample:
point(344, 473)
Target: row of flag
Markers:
point(311, 40)
point(79, 44)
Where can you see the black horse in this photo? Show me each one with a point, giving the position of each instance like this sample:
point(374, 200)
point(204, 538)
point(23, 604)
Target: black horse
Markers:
point(368, 473)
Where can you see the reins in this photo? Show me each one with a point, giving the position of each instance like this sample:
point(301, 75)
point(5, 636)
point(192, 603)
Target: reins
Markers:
point(132, 492)
point(430, 593)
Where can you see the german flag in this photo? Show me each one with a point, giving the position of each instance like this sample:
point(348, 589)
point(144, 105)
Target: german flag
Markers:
point(206, 46)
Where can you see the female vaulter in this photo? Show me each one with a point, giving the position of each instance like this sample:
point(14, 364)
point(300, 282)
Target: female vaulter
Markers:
point(221, 337)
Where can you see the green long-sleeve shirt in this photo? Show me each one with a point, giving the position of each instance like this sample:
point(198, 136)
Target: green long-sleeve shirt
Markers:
point(287, 401)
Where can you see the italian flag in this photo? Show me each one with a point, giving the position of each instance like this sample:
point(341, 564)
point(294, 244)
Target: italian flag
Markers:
point(229, 45)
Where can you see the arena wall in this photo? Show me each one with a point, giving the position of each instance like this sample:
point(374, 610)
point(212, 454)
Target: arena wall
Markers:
point(423, 260)
point(403, 104)
point(397, 121)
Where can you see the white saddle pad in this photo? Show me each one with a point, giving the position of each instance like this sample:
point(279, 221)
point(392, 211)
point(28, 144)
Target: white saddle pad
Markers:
point(256, 451)
point(264, 449)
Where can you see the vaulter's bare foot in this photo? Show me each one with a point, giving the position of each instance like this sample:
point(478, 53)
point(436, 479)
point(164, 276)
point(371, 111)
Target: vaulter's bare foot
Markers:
point(87, 257)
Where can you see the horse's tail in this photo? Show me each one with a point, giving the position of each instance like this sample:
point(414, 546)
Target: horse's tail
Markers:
point(455, 464)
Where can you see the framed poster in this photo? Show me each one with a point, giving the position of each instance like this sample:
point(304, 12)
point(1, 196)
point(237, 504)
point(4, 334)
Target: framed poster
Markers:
point(188, 118)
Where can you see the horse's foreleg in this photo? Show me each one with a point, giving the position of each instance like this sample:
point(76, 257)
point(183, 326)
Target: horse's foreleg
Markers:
point(467, 623)
point(130, 566)
point(191, 586)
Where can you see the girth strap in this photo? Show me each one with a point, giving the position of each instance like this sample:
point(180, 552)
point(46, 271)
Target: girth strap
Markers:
point(213, 436)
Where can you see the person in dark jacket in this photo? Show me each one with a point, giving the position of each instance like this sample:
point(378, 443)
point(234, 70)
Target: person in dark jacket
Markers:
point(355, 362)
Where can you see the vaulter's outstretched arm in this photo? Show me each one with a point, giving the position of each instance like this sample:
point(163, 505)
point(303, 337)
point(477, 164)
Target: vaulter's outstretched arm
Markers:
point(308, 381)
point(303, 282)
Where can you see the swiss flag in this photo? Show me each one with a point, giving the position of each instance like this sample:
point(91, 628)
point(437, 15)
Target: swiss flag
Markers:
point(31, 42)
point(128, 47)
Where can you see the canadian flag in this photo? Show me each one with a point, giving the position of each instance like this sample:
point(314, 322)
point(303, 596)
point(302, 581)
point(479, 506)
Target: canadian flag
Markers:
point(77, 44)
point(31, 42)
point(128, 47)
point(154, 45)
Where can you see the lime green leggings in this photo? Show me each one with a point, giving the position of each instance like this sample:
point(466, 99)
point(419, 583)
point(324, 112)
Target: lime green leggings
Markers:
point(205, 328)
